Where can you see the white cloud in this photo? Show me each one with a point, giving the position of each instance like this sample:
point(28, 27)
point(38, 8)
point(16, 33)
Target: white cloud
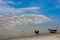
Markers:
point(25, 9)
point(6, 11)
point(25, 19)
point(6, 2)
point(10, 2)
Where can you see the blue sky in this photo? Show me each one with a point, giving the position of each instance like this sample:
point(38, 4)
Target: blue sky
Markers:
point(48, 8)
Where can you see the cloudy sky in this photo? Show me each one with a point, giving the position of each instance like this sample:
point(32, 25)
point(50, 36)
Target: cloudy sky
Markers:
point(30, 12)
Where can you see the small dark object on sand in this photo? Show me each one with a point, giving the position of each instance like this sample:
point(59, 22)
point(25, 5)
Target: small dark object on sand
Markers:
point(52, 30)
point(36, 31)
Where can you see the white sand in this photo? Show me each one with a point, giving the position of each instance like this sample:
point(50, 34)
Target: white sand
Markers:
point(44, 37)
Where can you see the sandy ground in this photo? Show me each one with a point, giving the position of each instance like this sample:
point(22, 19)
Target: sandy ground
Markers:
point(44, 37)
